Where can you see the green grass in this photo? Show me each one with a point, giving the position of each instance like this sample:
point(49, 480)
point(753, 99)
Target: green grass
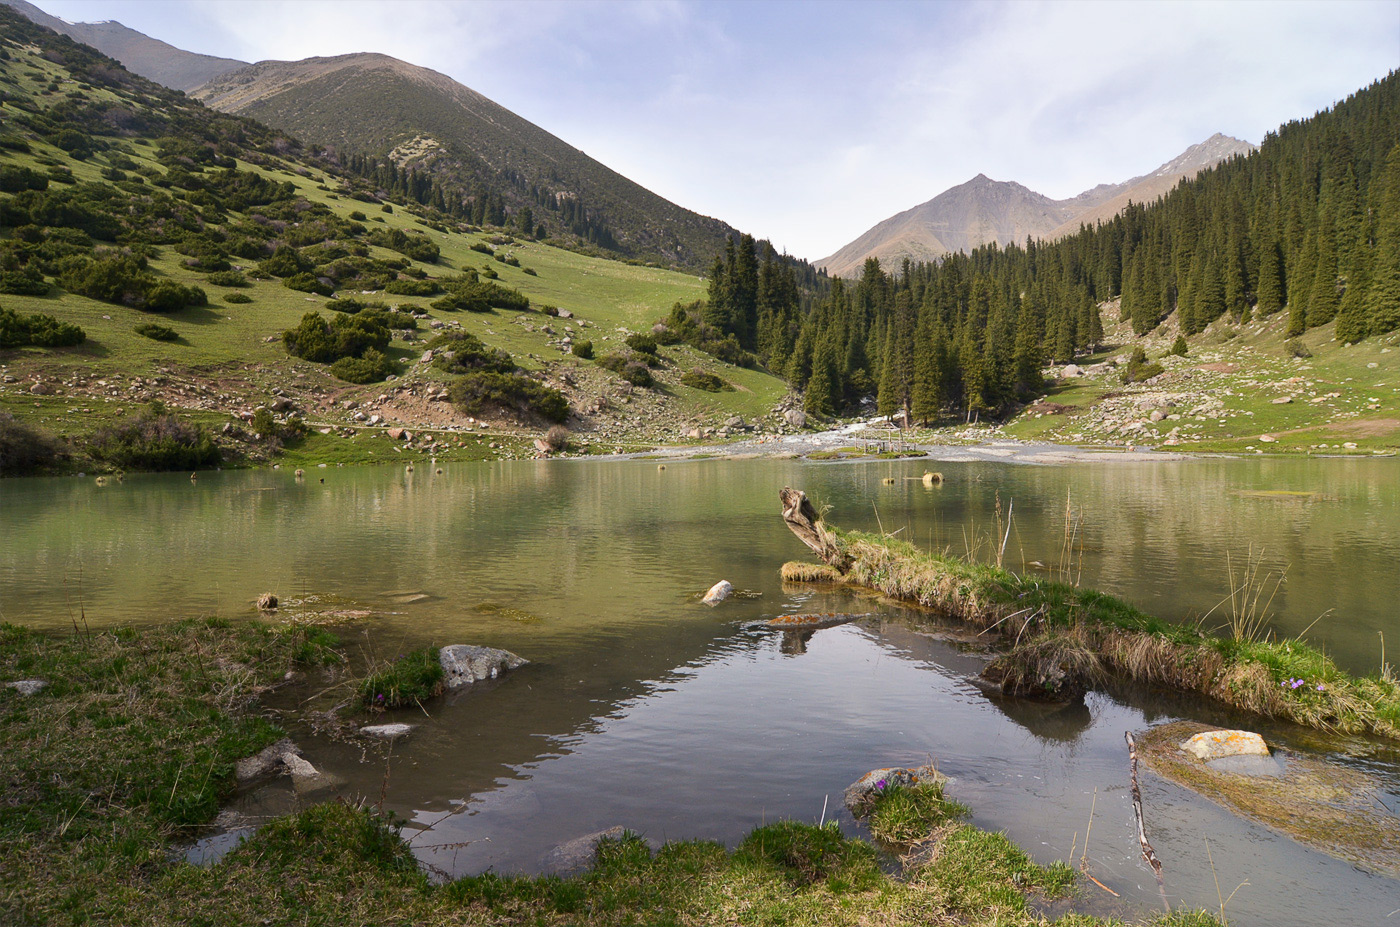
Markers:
point(408, 680)
point(132, 745)
point(1343, 395)
point(906, 815)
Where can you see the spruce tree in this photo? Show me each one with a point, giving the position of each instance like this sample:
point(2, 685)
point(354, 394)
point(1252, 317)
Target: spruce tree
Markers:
point(1322, 295)
point(1383, 304)
point(1299, 284)
point(1270, 296)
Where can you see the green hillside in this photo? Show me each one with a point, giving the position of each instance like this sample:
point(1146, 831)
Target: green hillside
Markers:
point(488, 160)
point(103, 172)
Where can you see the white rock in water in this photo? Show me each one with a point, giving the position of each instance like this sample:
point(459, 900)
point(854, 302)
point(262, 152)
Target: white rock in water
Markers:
point(387, 731)
point(1212, 745)
point(718, 592)
point(465, 664)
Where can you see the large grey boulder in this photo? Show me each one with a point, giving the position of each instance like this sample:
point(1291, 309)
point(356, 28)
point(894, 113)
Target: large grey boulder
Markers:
point(796, 418)
point(465, 664)
point(861, 794)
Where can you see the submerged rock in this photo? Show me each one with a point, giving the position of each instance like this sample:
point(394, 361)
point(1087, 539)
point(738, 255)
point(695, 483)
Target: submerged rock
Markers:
point(718, 592)
point(387, 731)
point(577, 854)
point(861, 793)
point(1214, 745)
point(811, 622)
point(267, 762)
point(465, 664)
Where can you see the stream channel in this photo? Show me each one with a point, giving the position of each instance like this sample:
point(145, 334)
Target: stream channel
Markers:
point(643, 708)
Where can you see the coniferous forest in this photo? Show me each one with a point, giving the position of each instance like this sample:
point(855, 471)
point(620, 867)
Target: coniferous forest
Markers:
point(1308, 225)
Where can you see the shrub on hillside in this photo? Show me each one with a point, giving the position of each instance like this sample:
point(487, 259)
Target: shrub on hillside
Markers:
point(157, 332)
point(19, 330)
point(237, 298)
point(461, 352)
point(324, 342)
point(372, 367)
point(23, 448)
point(285, 262)
point(306, 283)
point(430, 287)
point(583, 349)
point(24, 281)
point(1139, 368)
point(156, 440)
point(700, 379)
point(169, 296)
point(1179, 347)
point(644, 344)
point(228, 278)
point(633, 371)
point(419, 247)
point(479, 390)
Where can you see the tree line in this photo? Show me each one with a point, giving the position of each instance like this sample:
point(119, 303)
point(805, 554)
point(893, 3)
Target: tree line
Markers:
point(1309, 224)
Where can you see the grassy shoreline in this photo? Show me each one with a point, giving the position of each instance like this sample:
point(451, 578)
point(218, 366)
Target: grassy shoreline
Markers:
point(131, 747)
point(1060, 640)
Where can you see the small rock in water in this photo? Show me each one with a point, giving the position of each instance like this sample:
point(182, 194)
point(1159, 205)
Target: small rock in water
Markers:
point(718, 592)
point(28, 686)
point(387, 731)
point(1212, 745)
point(465, 664)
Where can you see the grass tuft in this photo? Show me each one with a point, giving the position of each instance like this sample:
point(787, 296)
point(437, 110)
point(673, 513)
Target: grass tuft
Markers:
point(408, 680)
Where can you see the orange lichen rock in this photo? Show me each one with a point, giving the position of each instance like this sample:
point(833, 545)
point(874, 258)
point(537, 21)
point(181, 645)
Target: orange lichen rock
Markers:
point(1212, 745)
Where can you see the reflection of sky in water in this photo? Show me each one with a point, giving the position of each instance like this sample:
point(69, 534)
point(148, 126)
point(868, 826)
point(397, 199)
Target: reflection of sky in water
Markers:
point(642, 708)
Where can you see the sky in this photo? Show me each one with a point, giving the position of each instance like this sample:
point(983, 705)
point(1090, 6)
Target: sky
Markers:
point(809, 122)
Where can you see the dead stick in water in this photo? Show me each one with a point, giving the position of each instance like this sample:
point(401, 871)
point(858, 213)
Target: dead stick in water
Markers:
point(1148, 853)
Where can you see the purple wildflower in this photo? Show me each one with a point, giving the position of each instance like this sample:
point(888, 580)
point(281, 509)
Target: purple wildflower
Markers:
point(880, 784)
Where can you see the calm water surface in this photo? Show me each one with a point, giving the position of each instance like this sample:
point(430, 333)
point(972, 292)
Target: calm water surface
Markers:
point(645, 709)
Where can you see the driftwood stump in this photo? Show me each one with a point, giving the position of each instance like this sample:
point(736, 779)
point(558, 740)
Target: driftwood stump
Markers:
point(805, 522)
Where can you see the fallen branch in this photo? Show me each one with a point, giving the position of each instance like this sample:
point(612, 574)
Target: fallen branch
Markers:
point(1148, 853)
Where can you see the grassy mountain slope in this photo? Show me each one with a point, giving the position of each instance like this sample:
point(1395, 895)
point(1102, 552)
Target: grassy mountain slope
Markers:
point(227, 359)
point(984, 210)
point(379, 105)
point(163, 63)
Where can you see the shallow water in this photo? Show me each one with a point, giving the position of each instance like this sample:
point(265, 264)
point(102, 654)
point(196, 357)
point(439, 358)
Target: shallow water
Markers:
point(645, 709)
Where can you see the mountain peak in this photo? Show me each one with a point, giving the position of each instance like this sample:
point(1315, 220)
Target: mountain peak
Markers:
point(983, 210)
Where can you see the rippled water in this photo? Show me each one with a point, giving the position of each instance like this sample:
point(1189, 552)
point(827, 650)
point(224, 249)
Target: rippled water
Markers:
point(645, 709)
